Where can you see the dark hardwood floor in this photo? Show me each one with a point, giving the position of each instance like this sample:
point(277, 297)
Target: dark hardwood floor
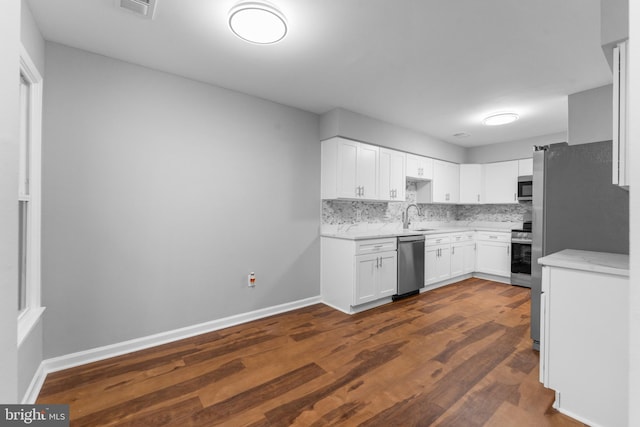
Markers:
point(456, 356)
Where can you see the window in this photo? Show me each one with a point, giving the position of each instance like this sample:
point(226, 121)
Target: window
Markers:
point(28, 304)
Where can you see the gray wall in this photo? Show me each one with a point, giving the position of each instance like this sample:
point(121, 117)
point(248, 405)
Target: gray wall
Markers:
point(614, 21)
point(614, 25)
point(591, 115)
point(345, 123)
point(161, 194)
point(9, 124)
point(511, 150)
point(30, 351)
point(31, 38)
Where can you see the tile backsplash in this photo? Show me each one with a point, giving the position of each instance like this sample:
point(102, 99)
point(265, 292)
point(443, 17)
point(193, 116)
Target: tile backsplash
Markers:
point(338, 212)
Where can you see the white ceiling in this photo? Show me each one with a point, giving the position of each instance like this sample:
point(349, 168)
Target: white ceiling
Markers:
point(436, 66)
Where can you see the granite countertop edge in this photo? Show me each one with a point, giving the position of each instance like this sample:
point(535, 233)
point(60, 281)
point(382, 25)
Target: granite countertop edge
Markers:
point(598, 262)
point(380, 234)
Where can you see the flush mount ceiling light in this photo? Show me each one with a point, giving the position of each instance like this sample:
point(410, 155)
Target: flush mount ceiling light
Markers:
point(257, 22)
point(500, 119)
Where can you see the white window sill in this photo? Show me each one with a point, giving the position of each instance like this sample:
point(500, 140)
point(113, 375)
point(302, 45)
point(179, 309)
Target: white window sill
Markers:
point(27, 321)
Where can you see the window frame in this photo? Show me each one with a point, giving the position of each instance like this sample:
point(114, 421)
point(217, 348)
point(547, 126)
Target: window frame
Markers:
point(31, 314)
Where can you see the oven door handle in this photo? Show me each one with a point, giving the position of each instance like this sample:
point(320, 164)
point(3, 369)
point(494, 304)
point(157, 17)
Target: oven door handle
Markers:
point(522, 241)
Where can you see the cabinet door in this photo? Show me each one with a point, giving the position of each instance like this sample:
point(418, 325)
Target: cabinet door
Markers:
point(457, 260)
point(391, 173)
point(385, 191)
point(469, 263)
point(501, 182)
point(387, 274)
point(437, 263)
point(471, 184)
point(367, 171)
point(419, 167)
point(525, 167)
point(398, 176)
point(446, 182)
point(366, 274)
point(463, 258)
point(494, 258)
point(347, 166)
point(444, 263)
point(431, 264)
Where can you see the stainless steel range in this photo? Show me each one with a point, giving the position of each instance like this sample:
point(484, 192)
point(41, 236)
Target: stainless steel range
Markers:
point(521, 241)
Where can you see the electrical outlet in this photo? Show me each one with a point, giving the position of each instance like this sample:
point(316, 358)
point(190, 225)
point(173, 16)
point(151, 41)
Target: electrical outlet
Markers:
point(251, 280)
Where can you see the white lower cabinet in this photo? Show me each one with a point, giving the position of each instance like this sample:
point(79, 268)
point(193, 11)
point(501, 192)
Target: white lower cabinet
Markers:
point(448, 256)
point(358, 274)
point(463, 254)
point(584, 344)
point(437, 262)
point(493, 253)
point(376, 276)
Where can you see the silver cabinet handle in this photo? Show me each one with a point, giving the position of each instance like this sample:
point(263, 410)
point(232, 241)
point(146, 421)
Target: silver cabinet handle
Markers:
point(453, 250)
point(380, 261)
point(493, 237)
point(378, 246)
point(515, 197)
point(478, 197)
point(507, 249)
point(363, 191)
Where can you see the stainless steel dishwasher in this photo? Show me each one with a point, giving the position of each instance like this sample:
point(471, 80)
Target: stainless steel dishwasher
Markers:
point(410, 265)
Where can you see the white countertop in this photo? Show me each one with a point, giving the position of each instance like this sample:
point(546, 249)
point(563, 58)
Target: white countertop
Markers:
point(599, 262)
point(377, 234)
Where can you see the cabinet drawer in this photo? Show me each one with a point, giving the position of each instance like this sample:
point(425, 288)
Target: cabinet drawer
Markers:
point(493, 237)
point(461, 237)
point(437, 240)
point(375, 245)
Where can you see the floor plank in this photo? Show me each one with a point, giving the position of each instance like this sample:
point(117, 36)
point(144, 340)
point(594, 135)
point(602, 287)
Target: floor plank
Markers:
point(453, 356)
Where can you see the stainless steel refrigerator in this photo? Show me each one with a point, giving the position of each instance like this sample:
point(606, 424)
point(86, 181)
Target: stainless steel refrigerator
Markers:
point(575, 206)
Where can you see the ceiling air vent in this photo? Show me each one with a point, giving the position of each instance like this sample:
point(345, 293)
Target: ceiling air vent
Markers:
point(144, 8)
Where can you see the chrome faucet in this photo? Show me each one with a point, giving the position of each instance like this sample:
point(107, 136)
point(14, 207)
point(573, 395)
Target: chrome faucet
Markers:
point(405, 216)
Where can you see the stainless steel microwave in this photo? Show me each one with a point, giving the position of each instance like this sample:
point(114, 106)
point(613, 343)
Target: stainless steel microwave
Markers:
point(525, 188)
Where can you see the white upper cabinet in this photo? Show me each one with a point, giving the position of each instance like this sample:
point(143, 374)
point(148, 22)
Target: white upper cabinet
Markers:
point(446, 182)
point(391, 174)
point(501, 182)
point(471, 188)
point(349, 170)
point(525, 167)
point(419, 167)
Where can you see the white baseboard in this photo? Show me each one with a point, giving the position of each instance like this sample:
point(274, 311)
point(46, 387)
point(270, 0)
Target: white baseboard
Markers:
point(33, 390)
point(493, 277)
point(100, 353)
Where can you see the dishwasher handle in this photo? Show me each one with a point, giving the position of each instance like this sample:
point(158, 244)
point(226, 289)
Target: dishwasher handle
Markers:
point(415, 238)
